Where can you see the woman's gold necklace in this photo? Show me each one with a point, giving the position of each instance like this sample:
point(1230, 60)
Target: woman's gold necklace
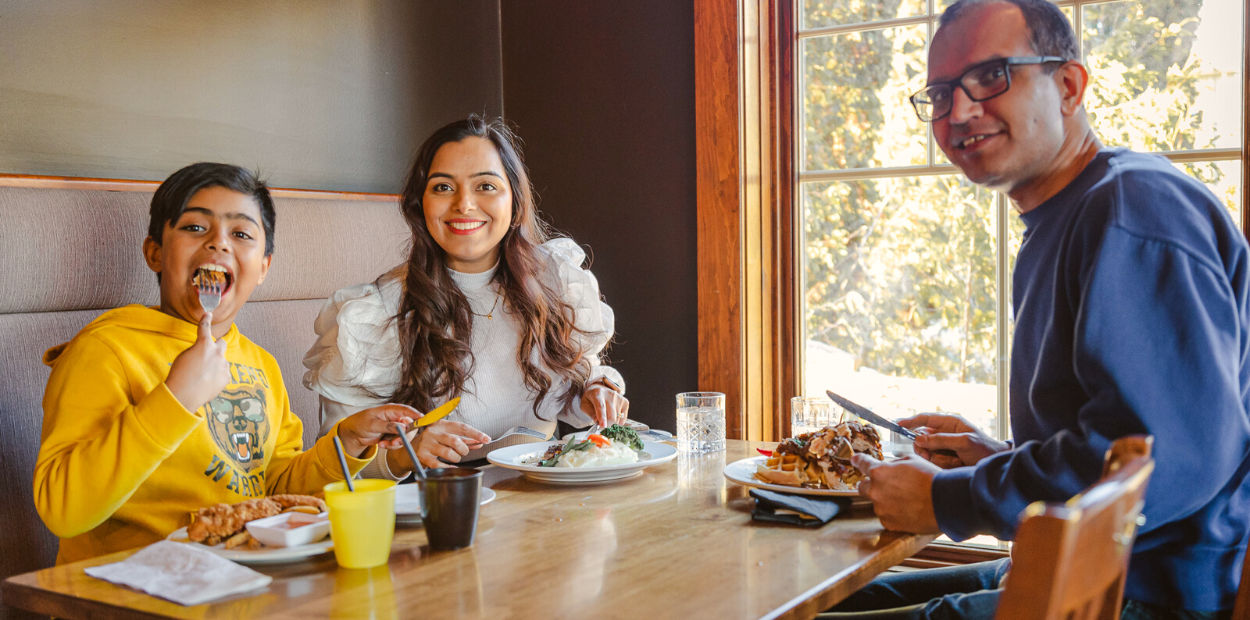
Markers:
point(491, 314)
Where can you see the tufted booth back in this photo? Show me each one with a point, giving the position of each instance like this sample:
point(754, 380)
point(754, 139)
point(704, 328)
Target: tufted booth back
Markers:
point(67, 255)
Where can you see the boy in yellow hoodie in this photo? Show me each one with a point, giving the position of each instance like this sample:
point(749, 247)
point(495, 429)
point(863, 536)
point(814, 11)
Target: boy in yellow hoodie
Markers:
point(152, 413)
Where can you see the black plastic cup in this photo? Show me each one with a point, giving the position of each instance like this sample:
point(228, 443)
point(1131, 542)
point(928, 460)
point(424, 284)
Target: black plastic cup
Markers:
point(449, 506)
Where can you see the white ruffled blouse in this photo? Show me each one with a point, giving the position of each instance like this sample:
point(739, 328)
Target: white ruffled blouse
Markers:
point(356, 361)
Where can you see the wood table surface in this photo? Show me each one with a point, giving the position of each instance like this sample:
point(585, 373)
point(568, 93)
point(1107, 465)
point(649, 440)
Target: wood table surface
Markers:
point(676, 542)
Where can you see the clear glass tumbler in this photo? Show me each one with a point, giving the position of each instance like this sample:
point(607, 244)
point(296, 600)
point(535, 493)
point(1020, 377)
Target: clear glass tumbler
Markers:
point(700, 422)
point(810, 413)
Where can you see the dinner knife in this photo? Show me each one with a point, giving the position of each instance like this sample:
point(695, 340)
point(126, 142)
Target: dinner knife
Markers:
point(867, 414)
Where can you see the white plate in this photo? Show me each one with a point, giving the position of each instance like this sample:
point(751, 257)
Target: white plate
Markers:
point(743, 472)
point(408, 503)
point(510, 457)
point(264, 555)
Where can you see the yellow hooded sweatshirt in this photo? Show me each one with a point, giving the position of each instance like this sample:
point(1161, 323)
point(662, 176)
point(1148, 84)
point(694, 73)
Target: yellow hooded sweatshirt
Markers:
point(123, 464)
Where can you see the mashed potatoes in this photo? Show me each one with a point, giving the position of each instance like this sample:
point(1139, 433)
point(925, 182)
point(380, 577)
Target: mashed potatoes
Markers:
point(616, 453)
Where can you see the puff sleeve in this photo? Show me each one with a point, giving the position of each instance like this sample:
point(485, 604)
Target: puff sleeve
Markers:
point(594, 318)
point(355, 362)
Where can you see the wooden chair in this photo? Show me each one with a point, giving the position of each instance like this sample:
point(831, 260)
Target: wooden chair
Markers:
point(1070, 560)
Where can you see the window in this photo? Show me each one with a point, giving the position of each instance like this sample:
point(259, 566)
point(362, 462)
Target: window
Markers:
point(905, 265)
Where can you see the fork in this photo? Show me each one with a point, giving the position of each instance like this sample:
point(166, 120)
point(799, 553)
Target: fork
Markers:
point(210, 285)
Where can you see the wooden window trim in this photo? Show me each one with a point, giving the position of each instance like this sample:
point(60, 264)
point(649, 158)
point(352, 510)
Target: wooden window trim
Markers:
point(747, 291)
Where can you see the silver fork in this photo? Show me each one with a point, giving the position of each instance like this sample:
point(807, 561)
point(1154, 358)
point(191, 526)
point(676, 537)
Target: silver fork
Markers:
point(210, 285)
point(594, 428)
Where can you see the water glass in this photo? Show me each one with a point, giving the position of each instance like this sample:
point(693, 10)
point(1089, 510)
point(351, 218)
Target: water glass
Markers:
point(700, 422)
point(810, 413)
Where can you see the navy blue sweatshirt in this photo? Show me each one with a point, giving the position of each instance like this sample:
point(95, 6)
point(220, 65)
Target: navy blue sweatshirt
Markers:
point(1131, 305)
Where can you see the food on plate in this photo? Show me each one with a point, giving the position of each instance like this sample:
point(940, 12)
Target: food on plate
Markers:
point(243, 539)
point(225, 522)
point(822, 459)
point(290, 502)
point(614, 445)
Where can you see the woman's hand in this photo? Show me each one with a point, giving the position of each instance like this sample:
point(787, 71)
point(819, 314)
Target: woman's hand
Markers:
point(605, 405)
point(445, 440)
point(940, 431)
point(371, 427)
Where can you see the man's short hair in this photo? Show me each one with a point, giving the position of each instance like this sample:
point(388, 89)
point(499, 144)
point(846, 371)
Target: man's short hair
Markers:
point(170, 199)
point(1050, 33)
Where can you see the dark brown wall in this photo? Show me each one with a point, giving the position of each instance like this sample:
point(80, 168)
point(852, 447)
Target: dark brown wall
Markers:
point(602, 92)
point(319, 94)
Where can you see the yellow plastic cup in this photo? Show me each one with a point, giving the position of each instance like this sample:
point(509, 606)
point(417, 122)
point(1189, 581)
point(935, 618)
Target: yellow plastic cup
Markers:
point(362, 523)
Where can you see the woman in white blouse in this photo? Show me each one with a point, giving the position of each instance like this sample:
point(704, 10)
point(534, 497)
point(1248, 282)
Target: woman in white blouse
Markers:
point(487, 308)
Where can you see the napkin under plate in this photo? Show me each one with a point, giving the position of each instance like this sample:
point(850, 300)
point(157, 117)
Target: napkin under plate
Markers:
point(182, 573)
point(802, 510)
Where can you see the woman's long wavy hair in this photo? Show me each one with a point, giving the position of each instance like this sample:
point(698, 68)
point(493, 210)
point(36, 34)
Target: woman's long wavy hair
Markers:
point(435, 321)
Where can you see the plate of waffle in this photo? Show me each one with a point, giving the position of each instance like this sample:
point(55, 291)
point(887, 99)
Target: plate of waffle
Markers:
point(816, 463)
point(222, 529)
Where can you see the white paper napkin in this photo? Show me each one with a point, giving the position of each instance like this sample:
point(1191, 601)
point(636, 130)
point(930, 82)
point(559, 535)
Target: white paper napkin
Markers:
point(181, 573)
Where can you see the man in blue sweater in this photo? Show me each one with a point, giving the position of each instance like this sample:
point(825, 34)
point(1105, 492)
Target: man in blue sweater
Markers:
point(1132, 308)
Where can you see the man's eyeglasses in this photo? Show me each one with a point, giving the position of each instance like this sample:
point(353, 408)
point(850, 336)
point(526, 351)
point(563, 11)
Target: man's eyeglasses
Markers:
point(981, 82)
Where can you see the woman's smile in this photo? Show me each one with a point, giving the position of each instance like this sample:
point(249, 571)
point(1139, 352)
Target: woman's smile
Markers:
point(465, 227)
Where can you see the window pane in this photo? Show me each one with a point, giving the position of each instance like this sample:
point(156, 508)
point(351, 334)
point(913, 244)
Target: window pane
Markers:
point(1164, 75)
point(1223, 178)
point(820, 13)
point(900, 295)
point(855, 108)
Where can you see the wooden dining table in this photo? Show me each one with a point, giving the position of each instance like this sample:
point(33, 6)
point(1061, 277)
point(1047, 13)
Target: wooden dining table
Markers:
point(676, 541)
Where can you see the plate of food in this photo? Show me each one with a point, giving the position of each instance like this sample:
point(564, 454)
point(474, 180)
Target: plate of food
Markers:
point(816, 463)
point(222, 529)
point(615, 453)
point(408, 503)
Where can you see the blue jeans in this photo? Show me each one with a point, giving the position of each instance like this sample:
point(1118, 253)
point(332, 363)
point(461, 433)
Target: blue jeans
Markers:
point(968, 592)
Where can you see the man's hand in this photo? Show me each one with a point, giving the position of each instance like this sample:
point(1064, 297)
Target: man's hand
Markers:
point(201, 372)
point(951, 432)
point(371, 427)
point(901, 493)
point(605, 405)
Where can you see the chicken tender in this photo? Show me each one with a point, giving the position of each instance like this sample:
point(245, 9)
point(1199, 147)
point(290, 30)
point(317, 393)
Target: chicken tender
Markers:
point(291, 501)
point(225, 520)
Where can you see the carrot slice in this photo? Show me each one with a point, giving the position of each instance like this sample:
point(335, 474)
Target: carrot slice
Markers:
point(600, 440)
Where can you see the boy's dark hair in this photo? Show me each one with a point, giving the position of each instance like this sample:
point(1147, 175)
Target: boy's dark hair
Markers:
point(1049, 31)
point(170, 199)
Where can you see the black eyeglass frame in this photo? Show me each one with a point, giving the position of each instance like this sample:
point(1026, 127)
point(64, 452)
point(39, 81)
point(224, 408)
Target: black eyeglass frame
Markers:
point(1007, 63)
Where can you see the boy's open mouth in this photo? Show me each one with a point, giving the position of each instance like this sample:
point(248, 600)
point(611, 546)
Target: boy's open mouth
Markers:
point(211, 275)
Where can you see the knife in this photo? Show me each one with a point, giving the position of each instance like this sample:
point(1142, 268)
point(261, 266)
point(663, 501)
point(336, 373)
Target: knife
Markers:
point(873, 418)
point(866, 414)
point(433, 416)
point(438, 413)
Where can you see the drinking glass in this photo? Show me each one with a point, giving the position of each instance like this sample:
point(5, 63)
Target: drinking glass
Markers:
point(362, 522)
point(700, 422)
point(810, 413)
point(449, 506)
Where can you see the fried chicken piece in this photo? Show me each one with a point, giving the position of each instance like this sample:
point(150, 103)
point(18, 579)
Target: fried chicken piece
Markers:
point(224, 520)
point(290, 501)
point(242, 538)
